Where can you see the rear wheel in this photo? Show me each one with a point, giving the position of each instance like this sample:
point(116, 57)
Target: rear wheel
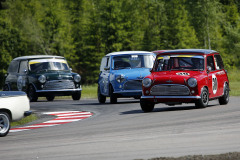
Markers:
point(76, 96)
point(146, 105)
point(4, 124)
point(50, 98)
point(203, 101)
point(6, 88)
point(225, 98)
point(101, 98)
point(32, 95)
point(113, 97)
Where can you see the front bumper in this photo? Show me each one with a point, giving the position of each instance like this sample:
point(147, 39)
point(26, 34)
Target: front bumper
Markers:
point(27, 113)
point(60, 90)
point(129, 92)
point(172, 97)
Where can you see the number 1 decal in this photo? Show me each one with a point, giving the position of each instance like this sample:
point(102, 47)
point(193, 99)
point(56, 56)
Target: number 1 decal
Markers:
point(214, 84)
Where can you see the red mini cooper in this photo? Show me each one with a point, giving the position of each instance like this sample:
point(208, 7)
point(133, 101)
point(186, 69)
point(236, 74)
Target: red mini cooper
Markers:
point(185, 76)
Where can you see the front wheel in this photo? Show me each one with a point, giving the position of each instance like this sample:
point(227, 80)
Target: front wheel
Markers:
point(225, 98)
point(76, 96)
point(113, 97)
point(50, 98)
point(101, 98)
point(203, 101)
point(4, 124)
point(146, 105)
point(32, 95)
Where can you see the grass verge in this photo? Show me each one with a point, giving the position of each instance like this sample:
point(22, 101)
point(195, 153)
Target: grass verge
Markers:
point(25, 120)
point(226, 156)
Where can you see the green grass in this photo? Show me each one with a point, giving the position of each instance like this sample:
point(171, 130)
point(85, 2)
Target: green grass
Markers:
point(234, 81)
point(89, 91)
point(226, 156)
point(25, 120)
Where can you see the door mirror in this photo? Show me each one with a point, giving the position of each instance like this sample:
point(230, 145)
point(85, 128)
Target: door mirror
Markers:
point(209, 68)
point(106, 68)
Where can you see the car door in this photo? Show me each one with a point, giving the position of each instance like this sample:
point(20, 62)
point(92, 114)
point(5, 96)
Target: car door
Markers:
point(104, 76)
point(213, 78)
point(22, 75)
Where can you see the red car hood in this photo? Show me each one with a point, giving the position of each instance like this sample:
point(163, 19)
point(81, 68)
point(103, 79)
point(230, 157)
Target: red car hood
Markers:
point(174, 77)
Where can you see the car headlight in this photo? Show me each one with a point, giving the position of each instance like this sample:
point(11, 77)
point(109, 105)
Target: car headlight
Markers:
point(120, 78)
point(42, 79)
point(147, 82)
point(77, 78)
point(192, 82)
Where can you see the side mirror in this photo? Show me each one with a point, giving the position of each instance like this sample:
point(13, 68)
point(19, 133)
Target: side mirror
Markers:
point(209, 68)
point(106, 68)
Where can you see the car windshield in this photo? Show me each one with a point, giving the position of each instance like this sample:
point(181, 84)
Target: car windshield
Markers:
point(132, 61)
point(39, 65)
point(179, 62)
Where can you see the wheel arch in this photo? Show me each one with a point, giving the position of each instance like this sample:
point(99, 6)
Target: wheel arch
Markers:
point(8, 112)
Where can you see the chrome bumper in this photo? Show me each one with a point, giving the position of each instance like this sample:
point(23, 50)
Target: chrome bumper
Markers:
point(173, 97)
point(60, 90)
point(128, 91)
point(27, 113)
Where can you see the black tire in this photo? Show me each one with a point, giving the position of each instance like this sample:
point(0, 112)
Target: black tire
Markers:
point(4, 124)
point(146, 105)
point(203, 102)
point(101, 98)
point(76, 96)
point(6, 88)
point(50, 98)
point(113, 97)
point(32, 95)
point(225, 98)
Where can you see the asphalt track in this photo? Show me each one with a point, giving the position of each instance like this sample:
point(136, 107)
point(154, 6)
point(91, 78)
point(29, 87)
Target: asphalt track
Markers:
point(123, 131)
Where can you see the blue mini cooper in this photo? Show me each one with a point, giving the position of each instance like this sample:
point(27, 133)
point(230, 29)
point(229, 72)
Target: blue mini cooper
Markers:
point(121, 74)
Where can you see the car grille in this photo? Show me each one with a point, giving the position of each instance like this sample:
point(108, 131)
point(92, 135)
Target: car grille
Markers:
point(133, 85)
point(170, 90)
point(58, 84)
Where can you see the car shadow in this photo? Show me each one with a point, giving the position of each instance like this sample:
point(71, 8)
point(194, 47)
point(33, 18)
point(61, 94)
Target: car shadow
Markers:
point(165, 109)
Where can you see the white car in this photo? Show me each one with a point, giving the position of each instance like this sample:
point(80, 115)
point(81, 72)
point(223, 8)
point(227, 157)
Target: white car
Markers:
point(14, 105)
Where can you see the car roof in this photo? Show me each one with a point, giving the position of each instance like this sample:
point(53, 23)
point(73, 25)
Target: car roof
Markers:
point(128, 53)
point(195, 51)
point(37, 57)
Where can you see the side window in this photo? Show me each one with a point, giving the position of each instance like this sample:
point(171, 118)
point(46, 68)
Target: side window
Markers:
point(104, 63)
point(210, 63)
point(23, 66)
point(13, 67)
point(219, 62)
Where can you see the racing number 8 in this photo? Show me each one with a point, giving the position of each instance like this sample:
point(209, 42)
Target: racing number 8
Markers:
point(214, 84)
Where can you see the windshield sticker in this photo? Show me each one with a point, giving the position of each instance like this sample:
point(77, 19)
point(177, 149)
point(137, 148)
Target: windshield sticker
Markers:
point(214, 84)
point(182, 74)
point(46, 60)
point(160, 58)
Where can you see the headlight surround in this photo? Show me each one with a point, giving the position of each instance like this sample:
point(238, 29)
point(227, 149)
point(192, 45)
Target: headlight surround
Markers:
point(77, 78)
point(120, 78)
point(192, 82)
point(147, 82)
point(42, 79)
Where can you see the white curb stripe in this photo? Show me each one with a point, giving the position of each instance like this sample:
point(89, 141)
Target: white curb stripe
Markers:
point(61, 118)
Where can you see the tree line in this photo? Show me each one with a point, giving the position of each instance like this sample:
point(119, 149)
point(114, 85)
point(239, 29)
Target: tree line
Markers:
point(83, 31)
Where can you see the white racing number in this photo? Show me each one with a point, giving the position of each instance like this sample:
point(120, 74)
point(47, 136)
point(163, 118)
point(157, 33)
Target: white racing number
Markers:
point(214, 84)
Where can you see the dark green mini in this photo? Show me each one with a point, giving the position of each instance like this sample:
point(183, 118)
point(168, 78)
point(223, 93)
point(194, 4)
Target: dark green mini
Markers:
point(42, 76)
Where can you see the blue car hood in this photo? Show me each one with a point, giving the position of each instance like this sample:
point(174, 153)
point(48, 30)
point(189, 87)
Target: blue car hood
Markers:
point(135, 73)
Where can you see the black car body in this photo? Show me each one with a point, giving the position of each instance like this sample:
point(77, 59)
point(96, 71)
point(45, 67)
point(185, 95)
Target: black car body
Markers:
point(42, 76)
